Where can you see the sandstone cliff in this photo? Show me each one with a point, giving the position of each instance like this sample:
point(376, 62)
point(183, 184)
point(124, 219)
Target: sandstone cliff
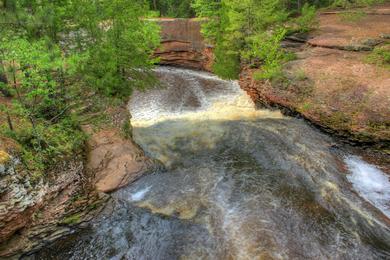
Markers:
point(183, 45)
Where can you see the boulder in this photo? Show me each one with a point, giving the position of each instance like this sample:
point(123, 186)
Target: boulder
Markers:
point(115, 161)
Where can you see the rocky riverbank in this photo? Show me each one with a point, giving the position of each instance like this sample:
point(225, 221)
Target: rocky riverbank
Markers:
point(336, 82)
point(35, 214)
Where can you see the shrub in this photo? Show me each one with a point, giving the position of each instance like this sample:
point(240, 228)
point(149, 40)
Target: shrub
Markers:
point(266, 48)
point(45, 145)
point(307, 20)
point(380, 56)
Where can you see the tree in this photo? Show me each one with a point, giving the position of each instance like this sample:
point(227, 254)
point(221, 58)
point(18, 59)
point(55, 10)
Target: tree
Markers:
point(119, 47)
point(234, 25)
point(173, 8)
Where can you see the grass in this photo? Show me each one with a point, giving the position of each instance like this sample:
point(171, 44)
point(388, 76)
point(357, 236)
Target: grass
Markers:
point(353, 17)
point(380, 56)
point(300, 75)
point(305, 107)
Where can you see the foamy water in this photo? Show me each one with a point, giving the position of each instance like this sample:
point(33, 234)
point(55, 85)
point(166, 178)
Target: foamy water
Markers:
point(221, 100)
point(371, 183)
point(140, 194)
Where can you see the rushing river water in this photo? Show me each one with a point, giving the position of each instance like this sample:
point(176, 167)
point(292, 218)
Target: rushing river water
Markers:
point(239, 183)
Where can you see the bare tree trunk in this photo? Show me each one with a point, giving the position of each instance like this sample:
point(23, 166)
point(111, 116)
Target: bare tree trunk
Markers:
point(155, 5)
point(11, 127)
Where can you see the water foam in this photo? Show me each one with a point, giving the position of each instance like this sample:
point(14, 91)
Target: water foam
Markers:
point(139, 195)
point(370, 182)
point(220, 101)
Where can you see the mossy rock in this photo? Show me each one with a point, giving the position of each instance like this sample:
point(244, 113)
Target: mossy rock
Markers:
point(4, 157)
point(72, 220)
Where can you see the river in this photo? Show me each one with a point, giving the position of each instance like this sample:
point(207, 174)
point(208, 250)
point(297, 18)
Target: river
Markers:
point(239, 183)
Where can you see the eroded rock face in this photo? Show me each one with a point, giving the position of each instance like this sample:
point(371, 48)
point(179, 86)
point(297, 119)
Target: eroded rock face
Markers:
point(183, 45)
point(115, 161)
point(18, 199)
point(34, 214)
point(332, 83)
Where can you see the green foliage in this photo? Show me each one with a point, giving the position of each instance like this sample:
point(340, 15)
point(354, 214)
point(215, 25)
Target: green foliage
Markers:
point(45, 145)
point(33, 68)
point(119, 58)
point(236, 28)
point(307, 20)
point(211, 10)
point(57, 58)
point(36, 18)
point(172, 8)
point(266, 47)
point(248, 30)
point(380, 56)
point(353, 16)
point(226, 65)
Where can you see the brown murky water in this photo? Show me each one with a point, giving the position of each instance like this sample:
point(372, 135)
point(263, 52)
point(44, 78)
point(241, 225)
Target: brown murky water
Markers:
point(239, 183)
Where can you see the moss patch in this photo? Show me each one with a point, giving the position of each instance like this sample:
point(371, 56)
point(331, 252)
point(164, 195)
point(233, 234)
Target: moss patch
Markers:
point(4, 157)
point(71, 220)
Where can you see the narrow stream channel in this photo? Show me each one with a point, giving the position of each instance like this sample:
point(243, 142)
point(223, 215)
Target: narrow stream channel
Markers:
point(239, 183)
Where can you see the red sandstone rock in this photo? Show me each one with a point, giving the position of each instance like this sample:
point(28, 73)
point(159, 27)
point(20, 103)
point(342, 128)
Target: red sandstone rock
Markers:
point(338, 31)
point(115, 161)
point(183, 45)
point(336, 89)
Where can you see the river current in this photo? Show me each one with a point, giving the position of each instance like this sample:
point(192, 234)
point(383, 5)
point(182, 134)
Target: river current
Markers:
point(238, 183)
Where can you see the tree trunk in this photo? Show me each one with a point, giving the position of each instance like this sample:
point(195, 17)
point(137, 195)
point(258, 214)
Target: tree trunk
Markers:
point(10, 125)
point(155, 5)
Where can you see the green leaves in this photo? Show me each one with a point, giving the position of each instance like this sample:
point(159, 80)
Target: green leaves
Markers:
point(54, 53)
point(31, 65)
point(266, 48)
point(172, 8)
point(120, 47)
point(236, 28)
point(307, 20)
